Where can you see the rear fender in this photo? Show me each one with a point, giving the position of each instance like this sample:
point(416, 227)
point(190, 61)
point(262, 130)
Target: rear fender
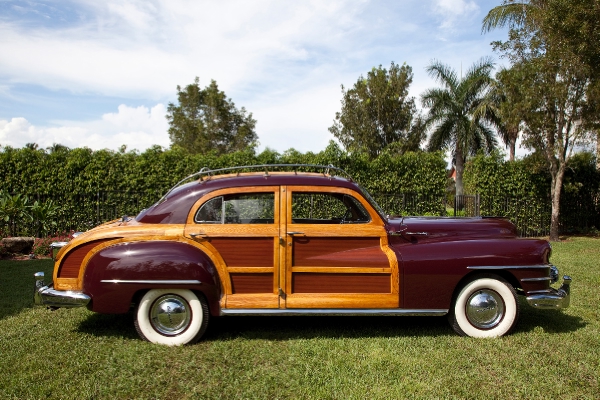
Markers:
point(115, 274)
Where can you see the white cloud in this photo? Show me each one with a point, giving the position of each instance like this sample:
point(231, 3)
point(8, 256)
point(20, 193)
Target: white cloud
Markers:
point(455, 11)
point(136, 127)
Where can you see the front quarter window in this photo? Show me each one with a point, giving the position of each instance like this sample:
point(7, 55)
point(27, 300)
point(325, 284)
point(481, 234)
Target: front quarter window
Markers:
point(211, 212)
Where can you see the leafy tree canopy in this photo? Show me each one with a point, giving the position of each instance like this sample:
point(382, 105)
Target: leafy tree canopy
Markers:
point(205, 120)
point(559, 104)
point(377, 112)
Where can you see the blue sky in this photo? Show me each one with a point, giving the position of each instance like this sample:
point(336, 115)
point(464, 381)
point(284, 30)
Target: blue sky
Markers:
point(101, 73)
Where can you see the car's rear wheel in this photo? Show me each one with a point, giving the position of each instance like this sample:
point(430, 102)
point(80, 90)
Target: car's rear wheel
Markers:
point(171, 316)
point(485, 307)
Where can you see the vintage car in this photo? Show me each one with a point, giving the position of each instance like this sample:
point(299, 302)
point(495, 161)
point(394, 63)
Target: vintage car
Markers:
point(277, 241)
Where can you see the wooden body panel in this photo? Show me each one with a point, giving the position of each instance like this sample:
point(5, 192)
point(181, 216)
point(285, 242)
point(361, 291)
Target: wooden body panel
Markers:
point(343, 300)
point(338, 252)
point(338, 265)
point(248, 254)
point(262, 266)
point(315, 282)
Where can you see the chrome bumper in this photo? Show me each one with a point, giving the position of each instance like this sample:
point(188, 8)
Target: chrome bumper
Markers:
point(553, 298)
point(46, 295)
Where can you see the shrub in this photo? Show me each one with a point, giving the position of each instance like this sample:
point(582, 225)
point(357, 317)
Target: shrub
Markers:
point(41, 247)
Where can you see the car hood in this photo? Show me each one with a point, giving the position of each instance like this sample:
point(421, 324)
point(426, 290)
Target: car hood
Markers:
point(444, 228)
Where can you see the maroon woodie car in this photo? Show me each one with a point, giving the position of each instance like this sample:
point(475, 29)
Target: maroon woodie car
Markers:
point(284, 242)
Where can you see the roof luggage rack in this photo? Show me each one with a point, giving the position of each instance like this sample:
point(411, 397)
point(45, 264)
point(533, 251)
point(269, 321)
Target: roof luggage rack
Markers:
point(327, 170)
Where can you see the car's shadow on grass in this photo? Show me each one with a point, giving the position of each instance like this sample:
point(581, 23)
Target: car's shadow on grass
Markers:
point(551, 321)
point(282, 328)
point(300, 327)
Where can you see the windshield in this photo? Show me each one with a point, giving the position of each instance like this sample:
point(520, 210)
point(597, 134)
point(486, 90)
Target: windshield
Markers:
point(373, 202)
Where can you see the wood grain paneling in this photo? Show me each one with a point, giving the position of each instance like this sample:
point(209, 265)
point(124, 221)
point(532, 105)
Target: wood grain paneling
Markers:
point(69, 266)
point(251, 283)
point(245, 252)
point(338, 252)
point(340, 283)
point(342, 300)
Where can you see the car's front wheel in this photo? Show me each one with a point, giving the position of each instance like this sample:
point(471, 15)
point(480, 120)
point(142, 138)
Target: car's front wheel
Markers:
point(171, 316)
point(485, 307)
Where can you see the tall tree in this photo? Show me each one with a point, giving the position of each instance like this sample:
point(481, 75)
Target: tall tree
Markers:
point(558, 79)
point(377, 112)
point(459, 112)
point(206, 120)
point(506, 92)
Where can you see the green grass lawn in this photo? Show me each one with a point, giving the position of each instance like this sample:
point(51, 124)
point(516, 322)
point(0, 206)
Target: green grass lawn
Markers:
point(78, 354)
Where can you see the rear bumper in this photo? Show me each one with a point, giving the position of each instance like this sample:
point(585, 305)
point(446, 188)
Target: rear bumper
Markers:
point(552, 298)
point(46, 295)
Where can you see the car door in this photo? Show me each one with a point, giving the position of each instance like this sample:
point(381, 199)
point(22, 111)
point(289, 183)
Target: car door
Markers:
point(336, 251)
point(239, 229)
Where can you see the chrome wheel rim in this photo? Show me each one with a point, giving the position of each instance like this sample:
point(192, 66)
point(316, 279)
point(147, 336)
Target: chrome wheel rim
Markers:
point(170, 315)
point(485, 309)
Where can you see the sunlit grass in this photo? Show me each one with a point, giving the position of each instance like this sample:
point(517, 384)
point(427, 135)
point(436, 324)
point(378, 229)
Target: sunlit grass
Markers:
point(78, 354)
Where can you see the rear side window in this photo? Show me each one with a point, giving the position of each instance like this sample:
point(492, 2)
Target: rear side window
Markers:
point(243, 208)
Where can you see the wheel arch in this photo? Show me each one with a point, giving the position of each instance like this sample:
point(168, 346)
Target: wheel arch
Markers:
point(488, 273)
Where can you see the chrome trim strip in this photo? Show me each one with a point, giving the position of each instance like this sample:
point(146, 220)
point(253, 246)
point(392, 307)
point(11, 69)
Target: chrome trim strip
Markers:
point(555, 299)
point(154, 282)
point(543, 266)
point(540, 291)
point(332, 312)
point(547, 278)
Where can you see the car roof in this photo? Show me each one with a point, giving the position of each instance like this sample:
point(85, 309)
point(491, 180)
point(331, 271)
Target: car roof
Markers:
point(175, 207)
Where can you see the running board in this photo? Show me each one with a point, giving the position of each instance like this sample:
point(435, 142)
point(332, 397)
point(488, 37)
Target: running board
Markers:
point(331, 312)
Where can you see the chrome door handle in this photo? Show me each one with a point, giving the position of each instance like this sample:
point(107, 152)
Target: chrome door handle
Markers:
point(295, 233)
point(201, 234)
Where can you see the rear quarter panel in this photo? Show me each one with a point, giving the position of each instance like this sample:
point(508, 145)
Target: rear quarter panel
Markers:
point(147, 260)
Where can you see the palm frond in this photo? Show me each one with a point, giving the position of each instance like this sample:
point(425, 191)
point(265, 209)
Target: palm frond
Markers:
point(511, 14)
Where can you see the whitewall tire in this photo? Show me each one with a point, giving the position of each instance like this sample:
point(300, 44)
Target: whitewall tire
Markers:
point(171, 316)
point(485, 307)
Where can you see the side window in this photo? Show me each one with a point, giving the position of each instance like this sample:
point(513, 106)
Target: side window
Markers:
point(327, 208)
point(243, 208)
point(211, 212)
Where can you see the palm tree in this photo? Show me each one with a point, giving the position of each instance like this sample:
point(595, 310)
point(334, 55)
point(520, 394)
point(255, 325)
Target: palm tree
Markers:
point(506, 99)
point(460, 112)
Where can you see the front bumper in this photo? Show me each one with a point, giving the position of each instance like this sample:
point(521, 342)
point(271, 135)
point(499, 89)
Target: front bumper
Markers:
point(552, 298)
point(46, 295)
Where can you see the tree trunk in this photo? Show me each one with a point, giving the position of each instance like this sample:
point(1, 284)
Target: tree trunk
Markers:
point(513, 134)
point(460, 168)
point(555, 191)
point(511, 148)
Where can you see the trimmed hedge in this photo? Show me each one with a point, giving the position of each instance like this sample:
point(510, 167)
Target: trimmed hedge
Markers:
point(95, 186)
point(520, 190)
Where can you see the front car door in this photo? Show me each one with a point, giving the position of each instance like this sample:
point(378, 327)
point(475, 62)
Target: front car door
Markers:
point(336, 251)
point(239, 229)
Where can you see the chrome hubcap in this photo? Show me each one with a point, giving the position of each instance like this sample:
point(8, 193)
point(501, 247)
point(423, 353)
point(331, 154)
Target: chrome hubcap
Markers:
point(485, 309)
point(170, 315)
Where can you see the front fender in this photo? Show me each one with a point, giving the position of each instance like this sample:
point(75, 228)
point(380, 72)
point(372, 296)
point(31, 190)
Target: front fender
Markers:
point(115, 274)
